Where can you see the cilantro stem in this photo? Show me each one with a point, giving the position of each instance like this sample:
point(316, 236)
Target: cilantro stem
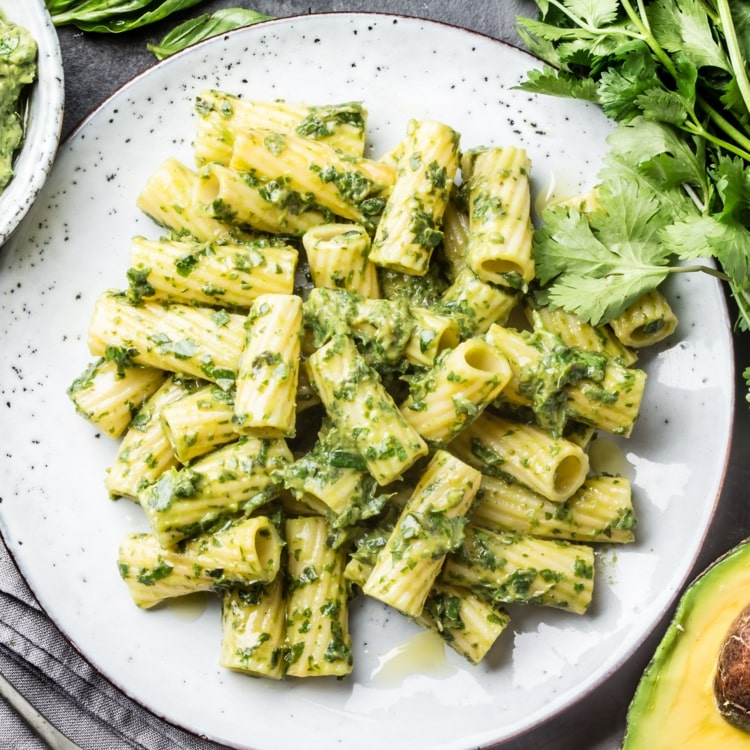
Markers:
point(593, 29)
point(733, 48)
point(742, 146)
point(640, 21)
point(705, 269)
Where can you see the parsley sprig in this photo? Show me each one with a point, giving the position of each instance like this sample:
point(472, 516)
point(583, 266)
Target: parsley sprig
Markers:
point(675, 187)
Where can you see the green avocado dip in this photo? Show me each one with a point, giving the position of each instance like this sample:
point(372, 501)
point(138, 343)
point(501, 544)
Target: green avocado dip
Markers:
point(18, 68)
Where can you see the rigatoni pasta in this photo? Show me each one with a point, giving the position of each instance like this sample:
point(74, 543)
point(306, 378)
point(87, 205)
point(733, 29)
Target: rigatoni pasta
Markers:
point(325, 387)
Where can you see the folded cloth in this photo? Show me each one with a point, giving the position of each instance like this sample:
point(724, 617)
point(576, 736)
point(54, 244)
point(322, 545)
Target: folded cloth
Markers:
point(47, 670)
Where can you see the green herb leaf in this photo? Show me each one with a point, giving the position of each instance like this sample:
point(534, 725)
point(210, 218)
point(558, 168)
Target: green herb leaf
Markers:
point(113, 16)
point(204, 27)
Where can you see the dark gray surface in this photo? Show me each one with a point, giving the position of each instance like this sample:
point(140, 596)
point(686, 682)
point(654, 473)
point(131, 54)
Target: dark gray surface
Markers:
point(96, 65)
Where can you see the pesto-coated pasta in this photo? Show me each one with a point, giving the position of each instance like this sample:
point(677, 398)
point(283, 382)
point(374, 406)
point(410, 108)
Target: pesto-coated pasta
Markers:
point(363, 411)
point(338, 257)
point(266, 391)
point(196, 341)
point(553, 467)
point(409, 230)
point(428, 528)
point(109, 395)
point(317, 635)
point(508, 568)
point(145, 453)
point(243, 554)
point(232, 481)
point(450, 395)
point(646, 322)
point(600, 511)
point(227, 274)
point(253, 629)
point(499, 207)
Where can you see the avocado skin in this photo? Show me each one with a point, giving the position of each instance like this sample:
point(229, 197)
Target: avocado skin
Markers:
point(674, 705)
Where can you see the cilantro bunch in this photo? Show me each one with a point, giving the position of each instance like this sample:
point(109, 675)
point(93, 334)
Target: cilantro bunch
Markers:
point(675, 187)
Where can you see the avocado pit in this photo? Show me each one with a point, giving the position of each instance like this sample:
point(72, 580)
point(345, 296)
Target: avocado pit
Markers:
point(732, 679)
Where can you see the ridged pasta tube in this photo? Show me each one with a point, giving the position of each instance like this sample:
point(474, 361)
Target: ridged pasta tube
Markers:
point(428, 528)
point(562, 382)
point(466, 622)
point(221, 115)
point(337, 255)
point(409, 229)
point(499, 207)
point(199, 422)
point(253, 629)
point(649, 320)
point(460, 385)
point(508, 568)
point(243, 201)
point(574, 332)
point(196, 341)
point(243, 554)
point(145, 453)
point(317, 636)
point(168, 197)
point(600, 511)
point(553, 467)
point(433, 334)
point(266, 392)
point(222, 485)
point(109, 395)
point(475, 304)
point(351, 187)
point(364, 412)
point(227, 274)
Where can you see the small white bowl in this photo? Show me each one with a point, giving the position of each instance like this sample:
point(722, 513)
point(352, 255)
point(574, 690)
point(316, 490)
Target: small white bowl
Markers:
point(46, 103)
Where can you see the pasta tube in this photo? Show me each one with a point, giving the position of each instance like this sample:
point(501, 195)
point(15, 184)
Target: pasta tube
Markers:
point(144, 453)
point(231, 481)
point(499, 205)
point(646, 322)
point(466, 622)
point(561, 382)
point(221, 114)
point(476, 304)
point(168, 198)
point(409, 229)
point(600, 511)
point(553, 467)
point(243, 201)
point(337, 255)
point(109, 395)
point(242, 554)
point(507, 568)
point(451, 394)
point(363, 411)
point(196, 341)
point(317, 636)
point(433, 334)
point(253, 629)
point(351, 187)
point(230, 274)
point(429, 527)
point(266, 392)
point(199, 422)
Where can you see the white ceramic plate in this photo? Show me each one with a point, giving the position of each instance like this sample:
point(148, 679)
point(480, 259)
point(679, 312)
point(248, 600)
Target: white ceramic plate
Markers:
point(64, 532)
point(45, 115)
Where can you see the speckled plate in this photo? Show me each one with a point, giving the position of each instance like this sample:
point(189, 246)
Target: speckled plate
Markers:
point(405, 693)
point(45, 115)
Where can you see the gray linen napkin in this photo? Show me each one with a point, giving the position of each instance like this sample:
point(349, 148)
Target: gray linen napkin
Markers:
point(34, 655)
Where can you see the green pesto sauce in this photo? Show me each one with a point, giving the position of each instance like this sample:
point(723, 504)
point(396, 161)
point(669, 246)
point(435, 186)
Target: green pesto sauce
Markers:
point(18, 69)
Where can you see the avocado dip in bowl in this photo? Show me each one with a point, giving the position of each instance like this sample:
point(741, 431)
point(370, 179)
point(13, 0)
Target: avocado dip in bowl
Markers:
point(31, 106)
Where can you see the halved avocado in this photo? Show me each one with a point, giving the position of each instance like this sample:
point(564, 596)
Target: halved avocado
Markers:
point(674, 705)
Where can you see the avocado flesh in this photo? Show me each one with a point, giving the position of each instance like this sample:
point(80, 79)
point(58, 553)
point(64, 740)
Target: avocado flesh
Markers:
point(674, 704)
